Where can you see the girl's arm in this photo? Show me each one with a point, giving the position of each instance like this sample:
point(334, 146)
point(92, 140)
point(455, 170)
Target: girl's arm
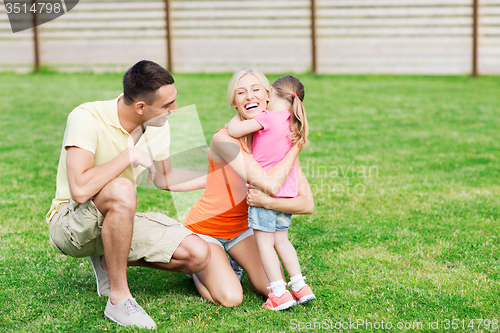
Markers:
point(303, 203)
point(238, 128)
point(269, 181)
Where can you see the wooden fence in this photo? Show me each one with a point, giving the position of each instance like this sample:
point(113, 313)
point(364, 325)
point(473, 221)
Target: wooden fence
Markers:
point(324, 36)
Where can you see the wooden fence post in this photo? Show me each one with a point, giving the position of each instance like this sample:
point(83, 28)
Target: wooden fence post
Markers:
point(475, 37)
point(168, 21)
point(36, 45)
point(314, 64)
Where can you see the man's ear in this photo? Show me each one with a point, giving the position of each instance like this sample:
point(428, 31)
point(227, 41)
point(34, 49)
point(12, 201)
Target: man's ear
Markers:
point(139, 107)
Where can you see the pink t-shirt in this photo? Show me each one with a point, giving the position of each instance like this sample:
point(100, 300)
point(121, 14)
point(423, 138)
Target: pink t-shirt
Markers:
point(270, 145)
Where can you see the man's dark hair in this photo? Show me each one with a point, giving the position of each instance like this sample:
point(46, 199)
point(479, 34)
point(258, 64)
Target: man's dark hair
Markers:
point(143, 80)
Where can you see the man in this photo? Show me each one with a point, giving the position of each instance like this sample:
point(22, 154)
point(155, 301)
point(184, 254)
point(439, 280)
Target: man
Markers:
point(106, 146)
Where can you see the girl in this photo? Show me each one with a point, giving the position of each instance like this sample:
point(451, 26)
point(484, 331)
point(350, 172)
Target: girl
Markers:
point(275, 130)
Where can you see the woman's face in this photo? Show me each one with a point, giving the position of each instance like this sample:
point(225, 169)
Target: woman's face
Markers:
point(250, 96)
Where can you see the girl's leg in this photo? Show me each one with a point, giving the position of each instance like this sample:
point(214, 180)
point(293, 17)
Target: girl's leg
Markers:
point(217, 283)
point(270, 261)
point(300, 290)
point(246, 254)
point(287, 252)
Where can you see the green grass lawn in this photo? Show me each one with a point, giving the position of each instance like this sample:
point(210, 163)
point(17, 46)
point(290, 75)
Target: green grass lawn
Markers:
point(405, 172)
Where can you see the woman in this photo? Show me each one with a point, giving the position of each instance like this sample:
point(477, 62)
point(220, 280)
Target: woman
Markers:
point(220, 216)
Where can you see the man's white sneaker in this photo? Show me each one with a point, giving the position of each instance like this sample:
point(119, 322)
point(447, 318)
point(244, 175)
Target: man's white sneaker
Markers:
point(101, 277)
point(129, 313)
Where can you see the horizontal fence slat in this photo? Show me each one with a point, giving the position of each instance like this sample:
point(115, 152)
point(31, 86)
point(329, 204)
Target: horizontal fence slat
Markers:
point(394, 11)
point(68, 25)
point(20, 36)
point(277, 58)
point(329, 22)
point(421, 69)
point(489, 41)
point(374, 41)
point(489, 30)
point(225, 67)
point(489, 11)
point(235, 46)
point(241, 14)
point(103, 34)
point(118, 6)
point(303, 22)
point(392, 21)
point(385, 3)
point(229, 23)
point(254, 4)
point(489, 52)
point(401, 31)
point(63, 59)
point(489, 20)
point(239, 32)
point(99, 16)
point(399, 60)
point(101, 46)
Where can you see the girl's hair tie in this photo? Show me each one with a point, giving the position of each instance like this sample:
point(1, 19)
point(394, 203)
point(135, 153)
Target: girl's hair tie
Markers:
point(293, 95)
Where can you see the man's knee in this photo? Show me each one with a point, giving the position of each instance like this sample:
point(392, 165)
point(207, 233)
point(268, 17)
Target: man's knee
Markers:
point(119, 193)
point(198, 253)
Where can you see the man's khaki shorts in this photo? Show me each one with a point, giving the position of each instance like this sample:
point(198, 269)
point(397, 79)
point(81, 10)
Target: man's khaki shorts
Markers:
point(75, 230)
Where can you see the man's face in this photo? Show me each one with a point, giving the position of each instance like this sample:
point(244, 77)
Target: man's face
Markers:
point(157, 113)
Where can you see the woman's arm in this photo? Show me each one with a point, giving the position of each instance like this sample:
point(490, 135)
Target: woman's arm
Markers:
point(269, 181)
point(238, 128)
point(303, 203)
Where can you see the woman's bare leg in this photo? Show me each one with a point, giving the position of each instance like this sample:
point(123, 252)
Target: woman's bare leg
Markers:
point(246, 254)
point(217, 282)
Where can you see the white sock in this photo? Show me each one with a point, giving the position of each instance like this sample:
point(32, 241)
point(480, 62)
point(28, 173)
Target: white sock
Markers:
point(297, 282)
point(278, 287)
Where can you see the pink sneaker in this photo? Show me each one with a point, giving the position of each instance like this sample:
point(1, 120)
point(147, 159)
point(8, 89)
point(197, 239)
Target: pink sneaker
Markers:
point(279, 303)
point(304, 295)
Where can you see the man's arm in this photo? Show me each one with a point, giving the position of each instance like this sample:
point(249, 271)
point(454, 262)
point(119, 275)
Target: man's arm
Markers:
point(303, 203)
point(85, 180)
point(178, 180)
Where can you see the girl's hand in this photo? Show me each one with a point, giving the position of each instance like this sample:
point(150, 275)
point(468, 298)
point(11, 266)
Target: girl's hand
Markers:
point(257, 198)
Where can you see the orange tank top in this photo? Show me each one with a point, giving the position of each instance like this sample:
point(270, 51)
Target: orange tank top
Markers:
point(222, 210)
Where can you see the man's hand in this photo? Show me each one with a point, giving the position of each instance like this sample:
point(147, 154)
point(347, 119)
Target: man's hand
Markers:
point(140, 158)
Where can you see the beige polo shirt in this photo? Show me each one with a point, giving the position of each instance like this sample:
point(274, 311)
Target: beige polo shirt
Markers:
point(95, 127)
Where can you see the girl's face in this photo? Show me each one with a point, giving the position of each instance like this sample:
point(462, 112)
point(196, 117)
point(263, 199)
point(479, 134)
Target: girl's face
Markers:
point(250, 96)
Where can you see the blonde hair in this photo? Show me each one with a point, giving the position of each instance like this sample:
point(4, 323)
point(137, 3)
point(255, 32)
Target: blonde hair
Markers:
point(290, 88)
point(233, 83)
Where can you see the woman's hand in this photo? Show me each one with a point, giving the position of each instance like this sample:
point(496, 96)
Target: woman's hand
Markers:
point(303, 203)
point(257, 198)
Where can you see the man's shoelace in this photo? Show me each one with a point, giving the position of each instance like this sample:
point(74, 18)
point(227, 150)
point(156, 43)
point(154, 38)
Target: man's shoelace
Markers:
point(133, 307)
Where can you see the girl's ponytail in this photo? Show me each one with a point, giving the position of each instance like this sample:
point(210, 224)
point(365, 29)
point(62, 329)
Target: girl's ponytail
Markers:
point(291, 89)
point(298, 124)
